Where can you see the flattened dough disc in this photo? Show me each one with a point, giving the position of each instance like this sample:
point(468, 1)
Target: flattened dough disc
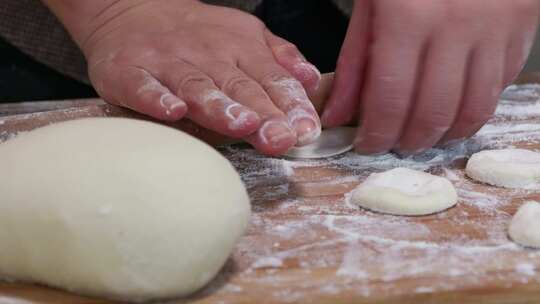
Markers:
point(332, 142)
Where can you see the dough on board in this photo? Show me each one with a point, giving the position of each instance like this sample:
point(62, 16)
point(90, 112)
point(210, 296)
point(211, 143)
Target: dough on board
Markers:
point(509, 168)
point(117, 208)
point(525, 225)
point(403, 191)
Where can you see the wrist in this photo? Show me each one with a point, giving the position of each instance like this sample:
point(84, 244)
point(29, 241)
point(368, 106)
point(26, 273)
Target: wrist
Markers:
point(86, 19)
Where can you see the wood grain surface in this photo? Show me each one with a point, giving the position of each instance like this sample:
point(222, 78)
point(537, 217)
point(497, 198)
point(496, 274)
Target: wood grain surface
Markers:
point(307, 244)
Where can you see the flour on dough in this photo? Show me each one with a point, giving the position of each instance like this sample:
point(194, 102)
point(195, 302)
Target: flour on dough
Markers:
point(403, 191)
point(509, 168)
point(117, 208)
point(525, 225)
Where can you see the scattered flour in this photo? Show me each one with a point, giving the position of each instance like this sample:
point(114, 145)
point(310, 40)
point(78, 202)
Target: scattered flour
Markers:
point(327, 232)
point(267, 262)
point(526, 269)
point(313, 232)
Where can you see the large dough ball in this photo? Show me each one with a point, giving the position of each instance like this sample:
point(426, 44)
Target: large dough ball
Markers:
point(403, 191)
point(118, 208)
point(510, 168)
point(525, 226)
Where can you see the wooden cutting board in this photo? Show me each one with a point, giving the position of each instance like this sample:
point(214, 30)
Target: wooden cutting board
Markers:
point(307, 244)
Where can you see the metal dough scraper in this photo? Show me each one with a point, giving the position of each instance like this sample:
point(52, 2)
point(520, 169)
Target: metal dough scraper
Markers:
point(332, 142)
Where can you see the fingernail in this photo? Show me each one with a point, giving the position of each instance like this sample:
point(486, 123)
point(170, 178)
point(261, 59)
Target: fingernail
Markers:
point(304, 124)
point(307, 131)
point(171, 104)
point(276, 133)
point(240, 117)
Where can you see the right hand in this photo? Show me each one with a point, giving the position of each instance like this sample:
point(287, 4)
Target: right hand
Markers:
point(219, 67)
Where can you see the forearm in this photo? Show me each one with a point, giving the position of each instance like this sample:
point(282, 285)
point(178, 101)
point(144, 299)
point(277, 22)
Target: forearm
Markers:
point(79, 16)
point(84, 18)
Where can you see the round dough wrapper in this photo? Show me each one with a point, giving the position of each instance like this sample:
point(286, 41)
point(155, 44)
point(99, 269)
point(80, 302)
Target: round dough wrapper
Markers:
point(403, 191)
point(509, 168)
point(524, 228)
point(117, 208)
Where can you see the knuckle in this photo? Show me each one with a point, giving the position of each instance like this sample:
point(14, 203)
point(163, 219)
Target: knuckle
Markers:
point(125, 55)
point(461, 16)
point(376, 113)
point(237, 84)
point(273, 77)
point(193, 80)
point(420, 12)
point(394, 107)
point(254, 21)
point(391, 103)
point(287, 48)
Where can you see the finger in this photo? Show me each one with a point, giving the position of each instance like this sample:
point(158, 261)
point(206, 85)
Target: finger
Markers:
point(388, 94)
point(209, 107)
point(275, 135)
point(517, 53)
point(482, 91)
point(342, 105)
point(136, 89)
point(289, 57)
point(286, 93)
point(439, 96)
point(521, 41)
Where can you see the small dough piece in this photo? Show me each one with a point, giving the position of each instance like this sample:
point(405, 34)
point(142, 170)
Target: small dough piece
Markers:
point(525, 226)
point(117, 208)
point(509, 168)
point(403, 191)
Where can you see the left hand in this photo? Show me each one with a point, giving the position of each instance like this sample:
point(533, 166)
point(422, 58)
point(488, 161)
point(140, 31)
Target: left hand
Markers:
point(422, 72)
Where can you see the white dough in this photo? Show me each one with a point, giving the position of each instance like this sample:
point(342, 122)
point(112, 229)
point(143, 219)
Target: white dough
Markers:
point(510, 168)
point(525, 226)
point(117, 208)
point(403, 191)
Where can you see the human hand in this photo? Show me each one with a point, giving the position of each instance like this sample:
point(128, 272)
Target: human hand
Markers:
point(422, 72)
point(219, 67)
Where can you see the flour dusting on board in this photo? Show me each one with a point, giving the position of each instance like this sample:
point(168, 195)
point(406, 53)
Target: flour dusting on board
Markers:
point(303, 220)
point(304, 226)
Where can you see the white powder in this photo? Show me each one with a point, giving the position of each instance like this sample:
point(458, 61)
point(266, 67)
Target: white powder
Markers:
point(293, 89)
point(524, 92)
point(518, 109)
point(424, 289)
point(11, 300)
point(360, 246)
point(466, 246)
point(526, 269)
point(267, 262)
